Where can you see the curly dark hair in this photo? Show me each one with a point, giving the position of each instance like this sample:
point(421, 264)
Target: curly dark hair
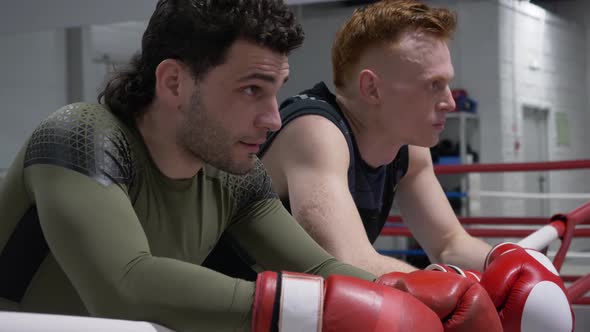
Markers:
point(199, 33)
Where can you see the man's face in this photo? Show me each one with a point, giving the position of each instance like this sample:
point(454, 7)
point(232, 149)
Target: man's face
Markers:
point(233, 107)
point(414, 89)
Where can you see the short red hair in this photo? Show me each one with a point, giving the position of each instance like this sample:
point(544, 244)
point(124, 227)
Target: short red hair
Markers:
point(382, 23)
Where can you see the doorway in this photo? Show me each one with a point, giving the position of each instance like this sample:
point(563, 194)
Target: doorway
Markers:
point(535, 145)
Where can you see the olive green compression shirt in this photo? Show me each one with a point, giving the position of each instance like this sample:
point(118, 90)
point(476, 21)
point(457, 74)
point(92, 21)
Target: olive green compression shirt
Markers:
point(90, 226)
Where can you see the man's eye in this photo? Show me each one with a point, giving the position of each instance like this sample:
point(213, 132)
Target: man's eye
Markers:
point(251, 90)
point(436, 85)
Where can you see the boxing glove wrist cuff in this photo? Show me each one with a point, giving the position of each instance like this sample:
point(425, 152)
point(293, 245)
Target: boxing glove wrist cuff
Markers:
point(288, 302)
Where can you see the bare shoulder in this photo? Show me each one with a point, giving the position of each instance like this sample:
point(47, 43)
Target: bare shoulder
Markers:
point(311, 140)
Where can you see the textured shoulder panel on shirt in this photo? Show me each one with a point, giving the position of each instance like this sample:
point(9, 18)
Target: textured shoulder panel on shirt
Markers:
point(250, 188)
point(86, 138)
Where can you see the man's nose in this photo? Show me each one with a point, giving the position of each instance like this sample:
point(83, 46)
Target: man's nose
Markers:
point(270, 118)
point(448, 103)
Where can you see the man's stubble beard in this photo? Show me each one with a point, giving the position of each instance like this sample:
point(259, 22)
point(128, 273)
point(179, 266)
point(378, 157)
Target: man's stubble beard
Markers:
point(207, 140)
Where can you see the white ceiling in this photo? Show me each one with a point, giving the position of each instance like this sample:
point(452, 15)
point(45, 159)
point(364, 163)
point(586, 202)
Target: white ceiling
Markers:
point(35, 15)
point(118, 41)
point(19, 16)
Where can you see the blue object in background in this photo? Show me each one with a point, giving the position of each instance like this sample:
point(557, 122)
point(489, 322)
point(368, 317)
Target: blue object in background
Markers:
point(455, 194)
point(448, 160)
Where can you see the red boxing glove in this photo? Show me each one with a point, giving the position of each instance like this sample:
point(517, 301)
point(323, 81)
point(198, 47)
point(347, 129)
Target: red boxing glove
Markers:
point(289, 302)
point(527, 290)
point(462, 304)
point(469, 274)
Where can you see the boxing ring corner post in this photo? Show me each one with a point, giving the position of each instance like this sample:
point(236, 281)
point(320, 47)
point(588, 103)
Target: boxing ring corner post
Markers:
point(577, 290)
point(578, 216)
point(581, 286)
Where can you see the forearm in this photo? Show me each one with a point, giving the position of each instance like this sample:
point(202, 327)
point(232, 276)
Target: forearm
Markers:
point(334, 266)
point(181, 296)
point(427, 213)
point(466, 252)
point(138, 286)
point(379, 264)
point(277, 242)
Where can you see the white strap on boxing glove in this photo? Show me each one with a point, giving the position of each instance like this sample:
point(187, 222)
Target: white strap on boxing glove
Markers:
point(291, 301)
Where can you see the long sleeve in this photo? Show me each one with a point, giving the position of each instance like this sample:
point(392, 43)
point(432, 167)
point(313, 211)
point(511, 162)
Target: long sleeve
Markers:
point(97, 239)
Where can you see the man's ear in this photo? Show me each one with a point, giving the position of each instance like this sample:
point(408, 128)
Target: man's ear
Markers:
point(369, 87)
point(169, 78)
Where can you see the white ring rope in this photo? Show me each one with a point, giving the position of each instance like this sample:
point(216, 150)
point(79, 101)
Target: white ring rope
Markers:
point(33, 322)
point(540, 238)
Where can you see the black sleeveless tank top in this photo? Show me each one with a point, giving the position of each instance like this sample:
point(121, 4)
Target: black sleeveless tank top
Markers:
point(372, 189)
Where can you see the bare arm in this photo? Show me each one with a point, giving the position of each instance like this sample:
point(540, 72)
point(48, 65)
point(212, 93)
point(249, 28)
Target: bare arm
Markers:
point(429, 216)
point(312, 155)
